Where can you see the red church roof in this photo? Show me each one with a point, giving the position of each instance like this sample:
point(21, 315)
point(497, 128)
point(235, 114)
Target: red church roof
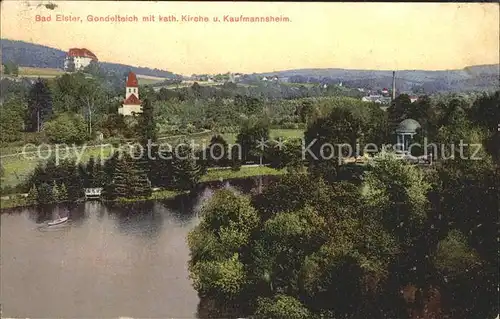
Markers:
point(132, 80)
point(76, 52)
point(132, 100)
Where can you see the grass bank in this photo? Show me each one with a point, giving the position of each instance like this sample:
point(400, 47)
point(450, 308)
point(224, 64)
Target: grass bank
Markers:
point(218, 174)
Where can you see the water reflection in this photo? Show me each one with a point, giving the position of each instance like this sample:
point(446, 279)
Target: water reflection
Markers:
point(107, 261)
point(143, 219)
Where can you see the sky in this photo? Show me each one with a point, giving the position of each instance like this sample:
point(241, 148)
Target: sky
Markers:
point(380, 36)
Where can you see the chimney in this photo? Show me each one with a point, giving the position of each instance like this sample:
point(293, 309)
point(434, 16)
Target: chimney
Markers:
point(393, 85)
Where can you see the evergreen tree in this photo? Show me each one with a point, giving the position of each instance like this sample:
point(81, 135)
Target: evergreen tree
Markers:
point(45, 195)
point(153, 167)
point(162, 174)
point(99, 174)
point(52, 171)
point(109, 168)
point(38, 175)
point(123, 180)
point(84, 174)
point(90, 170)
point(110, 165)
point(147, 123)
point(217, 152)
point(55, 193)
point(73, 181)
point(129, 180)
point(141, 185)
point(39, 105)
point(63, 193)
point(201, 161)
point(32, 198)
point(148, 134)
point(46, 173)
point(186, 171)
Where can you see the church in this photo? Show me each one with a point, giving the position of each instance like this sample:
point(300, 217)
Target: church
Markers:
point(131, 104)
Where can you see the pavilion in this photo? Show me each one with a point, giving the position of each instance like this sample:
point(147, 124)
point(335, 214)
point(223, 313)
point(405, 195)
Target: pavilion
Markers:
point(405, 132)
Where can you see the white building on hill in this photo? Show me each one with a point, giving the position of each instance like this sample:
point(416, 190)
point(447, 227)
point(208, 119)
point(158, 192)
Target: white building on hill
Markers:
point(78, 59)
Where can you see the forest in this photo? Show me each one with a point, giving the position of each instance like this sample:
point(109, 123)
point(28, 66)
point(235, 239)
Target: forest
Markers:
point(402, 241)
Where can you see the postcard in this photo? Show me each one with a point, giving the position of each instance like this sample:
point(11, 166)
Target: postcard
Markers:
point(177, 159)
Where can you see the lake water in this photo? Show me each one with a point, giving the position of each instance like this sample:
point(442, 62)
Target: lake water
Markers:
point(108, 261)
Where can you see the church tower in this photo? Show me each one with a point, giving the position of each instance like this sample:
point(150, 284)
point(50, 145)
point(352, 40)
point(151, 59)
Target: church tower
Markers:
point(131, 104)
point(132, 86)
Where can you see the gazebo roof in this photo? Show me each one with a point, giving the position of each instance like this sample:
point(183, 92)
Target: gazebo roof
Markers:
point(408, 126)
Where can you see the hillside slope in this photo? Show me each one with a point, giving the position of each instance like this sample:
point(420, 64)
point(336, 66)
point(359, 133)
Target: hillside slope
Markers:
point(39, 56)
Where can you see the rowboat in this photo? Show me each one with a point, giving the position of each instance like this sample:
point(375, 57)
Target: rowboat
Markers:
point(58, 221)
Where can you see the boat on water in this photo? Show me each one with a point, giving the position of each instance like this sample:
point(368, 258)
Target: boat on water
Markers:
point(58, 221)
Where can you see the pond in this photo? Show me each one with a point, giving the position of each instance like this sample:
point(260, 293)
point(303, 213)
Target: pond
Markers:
point(107, 261)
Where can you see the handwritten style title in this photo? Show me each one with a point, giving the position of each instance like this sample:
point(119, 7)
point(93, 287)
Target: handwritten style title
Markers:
point(159, 18)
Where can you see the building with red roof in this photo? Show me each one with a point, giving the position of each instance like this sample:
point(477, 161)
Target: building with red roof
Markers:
point(78, 58)
point(413, 98)
point(132, 104)
point(132, 80)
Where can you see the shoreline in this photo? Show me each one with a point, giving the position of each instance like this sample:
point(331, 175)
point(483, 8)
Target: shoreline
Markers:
point(213, 175)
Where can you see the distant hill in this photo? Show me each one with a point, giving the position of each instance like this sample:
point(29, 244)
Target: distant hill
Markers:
point(35, 55)
point(471, 78)
point(479, 77)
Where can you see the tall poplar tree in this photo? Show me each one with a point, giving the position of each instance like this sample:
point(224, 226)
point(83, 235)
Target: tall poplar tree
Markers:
point(39, 105)
point(147, 123)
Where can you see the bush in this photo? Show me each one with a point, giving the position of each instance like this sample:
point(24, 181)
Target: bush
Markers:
point(281, 307)
point(36, 138)
point(66, 128)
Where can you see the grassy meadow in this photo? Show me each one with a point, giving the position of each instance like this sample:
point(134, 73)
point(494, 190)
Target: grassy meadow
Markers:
point(18, 167)
point(149, 80)
point(39, 72)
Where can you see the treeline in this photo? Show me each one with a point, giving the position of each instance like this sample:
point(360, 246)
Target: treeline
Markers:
point(120, 176)
point(63, 109)
point(262, 90)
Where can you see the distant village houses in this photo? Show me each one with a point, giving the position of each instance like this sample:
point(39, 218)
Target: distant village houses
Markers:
point(78, 59)
point(270, 78)
point(379, 99)
point(383, 98)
